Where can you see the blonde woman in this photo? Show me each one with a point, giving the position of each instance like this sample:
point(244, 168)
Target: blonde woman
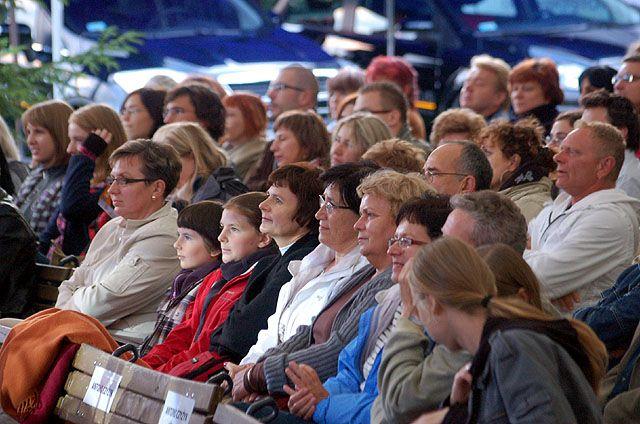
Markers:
point(205, 172)
point(15, 171)
point(45, 125)
point(353, 136)
point(95, 131)
point(526, 366)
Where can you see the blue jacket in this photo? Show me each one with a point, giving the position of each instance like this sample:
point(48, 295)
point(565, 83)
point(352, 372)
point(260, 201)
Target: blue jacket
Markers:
point(615, 318)
point(346, 402)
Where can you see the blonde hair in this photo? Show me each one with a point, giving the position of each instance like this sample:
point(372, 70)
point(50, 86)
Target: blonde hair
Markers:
point(456, 276)
point(501, 70)
point(396, 154)
point(610, 142)
point(97, 116)
point(456, 120)
point(190, 138)
point(395, 187)
point(367, 129)
point(53, 115)
point(7, 142)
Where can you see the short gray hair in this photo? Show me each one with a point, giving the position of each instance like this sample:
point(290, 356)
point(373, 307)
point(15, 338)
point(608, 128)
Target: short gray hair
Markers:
point(474, 162)
point(158, 161)
point(496, 219)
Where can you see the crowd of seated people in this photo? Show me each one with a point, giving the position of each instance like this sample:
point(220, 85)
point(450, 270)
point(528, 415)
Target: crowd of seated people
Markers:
point(364, 269)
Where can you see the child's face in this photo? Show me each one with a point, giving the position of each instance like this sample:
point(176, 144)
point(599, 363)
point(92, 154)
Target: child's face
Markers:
point(238, 238)
point(192, 250)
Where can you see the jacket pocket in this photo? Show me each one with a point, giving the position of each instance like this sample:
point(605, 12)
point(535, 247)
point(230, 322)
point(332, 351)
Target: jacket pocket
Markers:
point(126, 273)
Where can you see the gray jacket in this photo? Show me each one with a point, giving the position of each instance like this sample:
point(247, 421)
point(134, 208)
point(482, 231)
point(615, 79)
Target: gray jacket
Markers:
point(531, 379)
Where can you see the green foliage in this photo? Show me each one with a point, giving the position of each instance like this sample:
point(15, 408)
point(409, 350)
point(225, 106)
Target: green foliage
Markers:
point(22, 85)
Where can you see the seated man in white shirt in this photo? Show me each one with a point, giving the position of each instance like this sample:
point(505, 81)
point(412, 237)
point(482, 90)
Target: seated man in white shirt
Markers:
point(583, 240)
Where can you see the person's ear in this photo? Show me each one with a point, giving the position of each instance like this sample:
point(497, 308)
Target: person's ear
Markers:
point(265, 240)
point(158, 189)
point(514, 162)
point(625, 133)
point(215, 253)
point(605, 167)
point(468, 184)
point(522, 294)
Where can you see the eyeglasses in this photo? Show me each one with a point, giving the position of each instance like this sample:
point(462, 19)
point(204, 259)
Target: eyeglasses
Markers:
point(430, 175)
point(404, 242)
point(329, 205)
point(626, 78)
point(173, 111)
point(555, 138)
point(130, 111)
point(123, 181)
point(279, 86)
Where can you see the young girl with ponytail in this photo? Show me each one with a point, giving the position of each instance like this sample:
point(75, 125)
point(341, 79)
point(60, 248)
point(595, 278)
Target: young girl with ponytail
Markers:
point(526, 366)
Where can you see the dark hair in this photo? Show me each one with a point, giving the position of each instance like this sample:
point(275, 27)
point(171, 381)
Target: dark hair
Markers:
point(621, 113)
point(430, 211)
point(474, 162)
point(570, 115)
point(544, 72)
point(310, 131)
point(599, 76)
point(247, 205)
point(206, 103)
point(158, 161)
point(348, 80)
point(303, 180)
point(523, 138)
point(391, 96)
point(346, 178)
point(203, 218)
point(153, 101)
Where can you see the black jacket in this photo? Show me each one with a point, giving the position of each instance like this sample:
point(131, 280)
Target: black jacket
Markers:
point(258, 302)
point(17, 259)
point(222, 185)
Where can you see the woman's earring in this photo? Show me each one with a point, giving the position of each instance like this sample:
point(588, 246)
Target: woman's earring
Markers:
point(153, 197)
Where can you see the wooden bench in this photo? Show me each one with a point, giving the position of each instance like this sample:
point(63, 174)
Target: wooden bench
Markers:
point(46, 289)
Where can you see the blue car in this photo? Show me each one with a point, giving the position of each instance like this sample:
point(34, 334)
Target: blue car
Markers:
point(440, 36)
point(232, 40)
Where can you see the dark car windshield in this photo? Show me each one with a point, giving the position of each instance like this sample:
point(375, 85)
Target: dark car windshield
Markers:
point(151, 16)
point(493, 15)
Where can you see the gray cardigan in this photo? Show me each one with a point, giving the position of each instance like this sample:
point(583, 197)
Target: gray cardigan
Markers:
point(530, 378)
point(324, 357)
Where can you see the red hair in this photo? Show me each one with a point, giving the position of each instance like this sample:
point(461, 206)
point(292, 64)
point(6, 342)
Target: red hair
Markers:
point(544, 72)
point(397, 70)
point(253, 112)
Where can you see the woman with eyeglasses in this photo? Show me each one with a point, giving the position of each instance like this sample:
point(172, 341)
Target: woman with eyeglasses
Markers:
point(535, 90)
point(141, 113)
point(520, 163)
point(95, 132)
point(131, 260)
point(322, 271)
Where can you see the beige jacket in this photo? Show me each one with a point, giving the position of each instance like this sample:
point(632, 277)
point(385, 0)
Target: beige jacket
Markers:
point(624, 408)
point(530, 197)
point(410, 381)
point(128, 267)
point(246, 156)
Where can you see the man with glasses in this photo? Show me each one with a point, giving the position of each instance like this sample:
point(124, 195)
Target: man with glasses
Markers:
point(458, 167)
point(387, 101)
point(295, 87)
point(195, 103)
point(627, 82)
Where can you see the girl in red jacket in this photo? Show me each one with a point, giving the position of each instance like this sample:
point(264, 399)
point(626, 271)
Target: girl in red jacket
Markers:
point(186, 348)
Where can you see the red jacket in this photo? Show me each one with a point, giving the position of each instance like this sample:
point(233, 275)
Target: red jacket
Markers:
point(180, 354)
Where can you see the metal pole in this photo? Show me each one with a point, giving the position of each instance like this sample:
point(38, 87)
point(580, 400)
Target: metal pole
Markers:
point(13, 29)
point(389, 7)
point(57, 23)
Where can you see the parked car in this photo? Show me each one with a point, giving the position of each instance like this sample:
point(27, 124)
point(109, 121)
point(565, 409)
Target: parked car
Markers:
point(440, 36)
point(233, 40)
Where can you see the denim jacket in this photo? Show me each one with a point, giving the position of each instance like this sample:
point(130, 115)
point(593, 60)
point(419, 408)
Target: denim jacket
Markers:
point(615, 318)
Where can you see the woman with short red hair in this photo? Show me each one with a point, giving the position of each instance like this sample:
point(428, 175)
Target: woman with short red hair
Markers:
point(245, 124)
point(535, 90)
point(399, 71)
